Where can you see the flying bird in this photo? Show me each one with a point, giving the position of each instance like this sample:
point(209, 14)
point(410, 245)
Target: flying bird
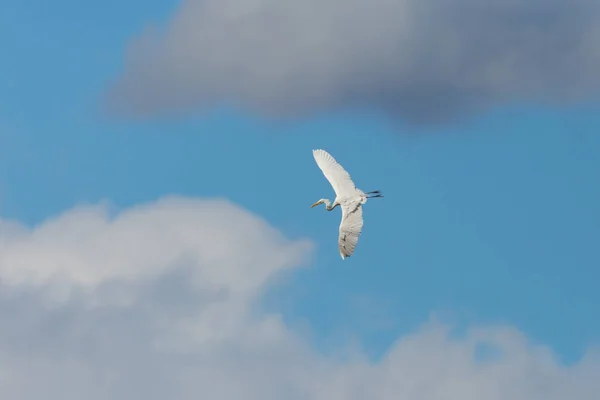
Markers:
point(348, 196)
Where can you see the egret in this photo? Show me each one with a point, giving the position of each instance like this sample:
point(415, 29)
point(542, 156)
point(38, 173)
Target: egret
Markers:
point(348, 196)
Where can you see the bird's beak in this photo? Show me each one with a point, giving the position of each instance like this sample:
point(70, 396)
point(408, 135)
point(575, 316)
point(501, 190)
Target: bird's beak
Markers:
point(316, 204)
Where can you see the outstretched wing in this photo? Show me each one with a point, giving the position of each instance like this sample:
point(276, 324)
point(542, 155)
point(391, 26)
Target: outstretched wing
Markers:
point(336, 175)
point(350, 228)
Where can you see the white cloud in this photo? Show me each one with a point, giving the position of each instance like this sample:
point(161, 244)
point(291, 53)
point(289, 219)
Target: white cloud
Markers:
point(160, 301)
point(85, 247)
point(424, 60)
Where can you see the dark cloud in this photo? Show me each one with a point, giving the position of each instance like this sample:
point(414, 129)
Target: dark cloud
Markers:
point(421, 60)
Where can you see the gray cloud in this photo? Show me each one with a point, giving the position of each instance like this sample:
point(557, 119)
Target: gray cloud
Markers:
point(162, 301)
point(421, 60)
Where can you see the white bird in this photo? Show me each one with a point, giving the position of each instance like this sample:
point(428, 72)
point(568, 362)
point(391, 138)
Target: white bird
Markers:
point(346, 195)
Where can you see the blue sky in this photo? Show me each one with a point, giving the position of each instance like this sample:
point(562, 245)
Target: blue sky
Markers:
point(491, 220)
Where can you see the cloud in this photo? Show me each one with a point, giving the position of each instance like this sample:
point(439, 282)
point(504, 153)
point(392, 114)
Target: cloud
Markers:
point(421, 60)
point(163, 301)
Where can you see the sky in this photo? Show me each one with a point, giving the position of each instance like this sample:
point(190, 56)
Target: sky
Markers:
point(156, 177)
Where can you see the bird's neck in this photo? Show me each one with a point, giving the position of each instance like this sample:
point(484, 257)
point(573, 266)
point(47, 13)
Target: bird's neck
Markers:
point(328, 205)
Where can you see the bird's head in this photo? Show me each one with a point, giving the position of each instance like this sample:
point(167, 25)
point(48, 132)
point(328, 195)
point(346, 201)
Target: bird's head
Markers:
point(321, 201)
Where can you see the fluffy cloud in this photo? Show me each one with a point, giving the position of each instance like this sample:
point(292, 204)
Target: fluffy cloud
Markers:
point(423, 60)
point(161, 301)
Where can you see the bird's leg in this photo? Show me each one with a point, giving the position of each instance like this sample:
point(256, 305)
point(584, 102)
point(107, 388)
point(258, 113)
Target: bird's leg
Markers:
point(374, 194)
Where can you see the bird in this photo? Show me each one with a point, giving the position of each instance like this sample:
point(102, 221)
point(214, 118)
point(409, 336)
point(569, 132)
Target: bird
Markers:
point(348, 196)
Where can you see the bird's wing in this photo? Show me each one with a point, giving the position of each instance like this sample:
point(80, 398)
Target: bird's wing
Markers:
point(350, 228)
point(336, 175)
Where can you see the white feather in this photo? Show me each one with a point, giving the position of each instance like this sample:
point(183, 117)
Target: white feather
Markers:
point(348, 197)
